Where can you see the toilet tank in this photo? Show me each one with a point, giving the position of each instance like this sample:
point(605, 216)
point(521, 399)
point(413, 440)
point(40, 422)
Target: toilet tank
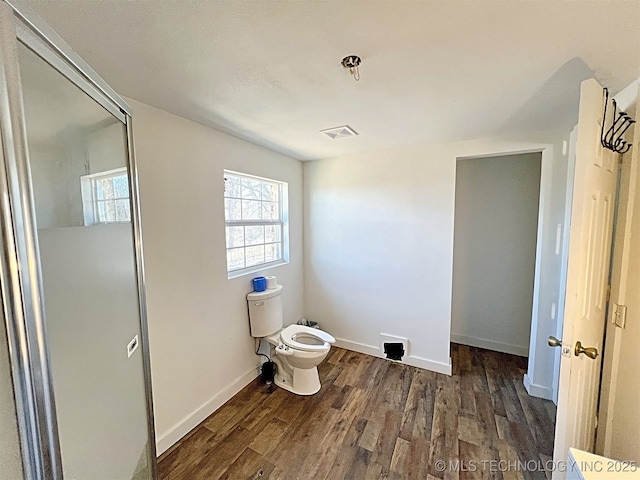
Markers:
point(265, 311)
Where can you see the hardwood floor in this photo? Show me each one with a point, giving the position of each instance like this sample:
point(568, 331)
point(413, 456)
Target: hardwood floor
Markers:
point(375, 419)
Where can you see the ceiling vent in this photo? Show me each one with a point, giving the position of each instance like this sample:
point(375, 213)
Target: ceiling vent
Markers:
point(339, 132)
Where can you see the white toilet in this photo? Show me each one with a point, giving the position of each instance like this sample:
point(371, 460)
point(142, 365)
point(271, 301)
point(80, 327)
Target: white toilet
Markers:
point(296, 350)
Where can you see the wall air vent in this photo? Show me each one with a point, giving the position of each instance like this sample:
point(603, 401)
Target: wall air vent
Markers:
point(339, 132)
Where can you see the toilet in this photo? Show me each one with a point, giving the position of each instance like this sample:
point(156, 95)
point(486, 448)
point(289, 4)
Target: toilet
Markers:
point(297, 350)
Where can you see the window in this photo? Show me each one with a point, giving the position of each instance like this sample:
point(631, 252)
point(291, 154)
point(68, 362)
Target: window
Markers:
point(105, 197)
point(256, 223)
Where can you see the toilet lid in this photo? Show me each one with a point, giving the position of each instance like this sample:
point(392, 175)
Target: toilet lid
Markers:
point(306, 338)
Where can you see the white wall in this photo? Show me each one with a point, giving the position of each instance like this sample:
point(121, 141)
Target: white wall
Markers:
point(625, 421)
point(201, 349)
point(101, 142)
point(379, 245)
point(57, 163)
point(494, 254)
point(377, 250)
point(56, 168)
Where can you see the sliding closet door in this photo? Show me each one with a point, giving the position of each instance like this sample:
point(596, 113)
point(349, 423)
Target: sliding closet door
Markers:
point(78, 159)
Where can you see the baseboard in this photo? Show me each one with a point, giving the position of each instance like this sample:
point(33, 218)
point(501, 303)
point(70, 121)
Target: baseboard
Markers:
point(419, 362)
point(192, 420)
point(537, 390)
point(358, 347)
point(491, 345)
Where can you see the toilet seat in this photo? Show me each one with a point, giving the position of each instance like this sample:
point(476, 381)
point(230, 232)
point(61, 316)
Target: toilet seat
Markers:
point(306, 338)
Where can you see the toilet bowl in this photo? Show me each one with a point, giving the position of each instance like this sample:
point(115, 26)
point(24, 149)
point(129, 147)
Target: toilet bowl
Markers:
point(298, 350)
point(310, 345)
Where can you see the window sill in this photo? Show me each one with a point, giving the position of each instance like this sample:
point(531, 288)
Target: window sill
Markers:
point(256, 269)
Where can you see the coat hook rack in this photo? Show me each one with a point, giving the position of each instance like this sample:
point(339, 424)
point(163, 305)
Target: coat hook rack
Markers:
point(613, 138)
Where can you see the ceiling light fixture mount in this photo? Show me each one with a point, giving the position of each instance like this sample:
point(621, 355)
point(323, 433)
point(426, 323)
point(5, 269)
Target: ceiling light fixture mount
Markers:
point(352, 62)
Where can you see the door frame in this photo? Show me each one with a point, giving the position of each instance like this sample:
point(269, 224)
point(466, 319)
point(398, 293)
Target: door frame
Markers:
point(553, 146)
point(564, 255)
point(544, 176)
point(620, 265)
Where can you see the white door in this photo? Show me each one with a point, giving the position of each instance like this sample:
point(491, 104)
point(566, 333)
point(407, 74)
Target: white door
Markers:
point(588, 265)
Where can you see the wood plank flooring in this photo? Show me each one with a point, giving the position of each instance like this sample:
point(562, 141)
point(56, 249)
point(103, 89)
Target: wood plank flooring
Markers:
point(375, 419)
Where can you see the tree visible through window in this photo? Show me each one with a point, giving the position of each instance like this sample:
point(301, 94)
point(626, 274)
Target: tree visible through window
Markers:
point(255, 221)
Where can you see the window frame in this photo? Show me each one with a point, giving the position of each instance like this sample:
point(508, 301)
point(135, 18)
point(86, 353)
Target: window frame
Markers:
point(283, 222)
point(90, 201)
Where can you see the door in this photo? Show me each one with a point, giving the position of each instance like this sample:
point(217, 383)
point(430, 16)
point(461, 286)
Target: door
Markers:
point(588, 265)
point(78, 163)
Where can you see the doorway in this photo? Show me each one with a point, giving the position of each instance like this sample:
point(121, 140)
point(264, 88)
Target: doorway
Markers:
point(495, 237)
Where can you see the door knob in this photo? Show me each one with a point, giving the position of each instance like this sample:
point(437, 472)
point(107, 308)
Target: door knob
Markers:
point(588, 351)
point(554, 342)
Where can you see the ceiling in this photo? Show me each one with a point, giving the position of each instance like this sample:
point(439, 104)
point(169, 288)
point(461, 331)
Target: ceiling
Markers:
point(432, 71)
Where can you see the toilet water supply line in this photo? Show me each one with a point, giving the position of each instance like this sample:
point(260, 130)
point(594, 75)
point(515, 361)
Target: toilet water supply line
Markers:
point(258, 343)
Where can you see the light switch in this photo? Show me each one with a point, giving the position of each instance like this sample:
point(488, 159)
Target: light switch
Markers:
point(619, 315)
